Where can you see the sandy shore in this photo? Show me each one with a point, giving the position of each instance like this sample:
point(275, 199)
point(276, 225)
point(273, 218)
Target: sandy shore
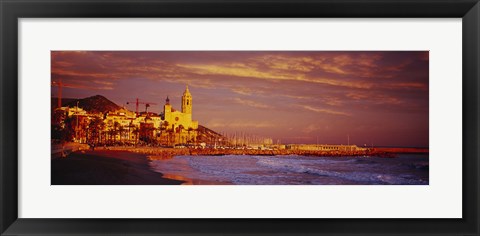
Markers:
point(188, 181)
point(104, 167)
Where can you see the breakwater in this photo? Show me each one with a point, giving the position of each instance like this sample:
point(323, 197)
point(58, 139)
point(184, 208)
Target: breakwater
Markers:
point(156, 153)
point(401, 150)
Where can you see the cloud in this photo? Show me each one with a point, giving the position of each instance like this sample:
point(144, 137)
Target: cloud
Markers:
point(311, 128)
point(232, 70)
point(326, 111)
point(80, 86)
point(344, 69)
point(103, 82)
point(70, 73)
point(375, 98)
point(278, 62)
point(84, 85)
point(358, 96)
point(238, 124)
point(408, 85)
point(332, 101)
point(245, 91)
point(251, 103)
point(247, 72)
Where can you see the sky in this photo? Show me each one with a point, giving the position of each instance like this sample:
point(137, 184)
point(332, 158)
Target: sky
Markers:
point(377, 98)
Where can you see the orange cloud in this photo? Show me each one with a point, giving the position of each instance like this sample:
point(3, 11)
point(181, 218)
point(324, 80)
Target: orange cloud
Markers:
point(218, 123)
point(407, 85)
point(228, 70)
point(251, 103)
point(375, 98)
point(326, 111)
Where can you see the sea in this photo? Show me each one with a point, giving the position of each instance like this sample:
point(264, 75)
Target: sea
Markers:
point(405, 169)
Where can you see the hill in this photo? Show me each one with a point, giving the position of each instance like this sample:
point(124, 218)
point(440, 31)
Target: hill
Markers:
point(207, 135)
point(65, 101)
point(93, 104)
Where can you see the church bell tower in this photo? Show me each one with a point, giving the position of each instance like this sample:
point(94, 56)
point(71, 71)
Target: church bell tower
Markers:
point(187, 102)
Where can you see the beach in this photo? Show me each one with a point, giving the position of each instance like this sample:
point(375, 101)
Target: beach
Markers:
point(121, 167)
point(105, 167)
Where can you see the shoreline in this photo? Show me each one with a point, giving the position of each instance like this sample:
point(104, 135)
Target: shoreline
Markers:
point(190, 181)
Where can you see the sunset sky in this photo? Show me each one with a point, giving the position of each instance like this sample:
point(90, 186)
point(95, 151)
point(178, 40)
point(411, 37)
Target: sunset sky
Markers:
point(378, 98)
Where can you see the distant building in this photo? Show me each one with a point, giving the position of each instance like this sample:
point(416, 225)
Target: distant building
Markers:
point(75, 111)
point(325, 147)
point(125, 125)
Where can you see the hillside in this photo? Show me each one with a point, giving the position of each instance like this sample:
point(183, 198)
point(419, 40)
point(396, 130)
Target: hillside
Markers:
point(65, 101)
point(94, 104)
point(207, 135)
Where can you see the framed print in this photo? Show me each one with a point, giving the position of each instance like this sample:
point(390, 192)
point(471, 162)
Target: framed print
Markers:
point(210, 117)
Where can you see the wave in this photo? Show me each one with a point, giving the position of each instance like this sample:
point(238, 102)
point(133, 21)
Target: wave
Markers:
point(369, 177)
point(293, 170)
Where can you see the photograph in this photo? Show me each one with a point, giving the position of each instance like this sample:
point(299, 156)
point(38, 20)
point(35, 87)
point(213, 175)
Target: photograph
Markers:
point(239, 117)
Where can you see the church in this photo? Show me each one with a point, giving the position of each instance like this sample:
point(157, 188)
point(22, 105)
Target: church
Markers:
point(180, 122)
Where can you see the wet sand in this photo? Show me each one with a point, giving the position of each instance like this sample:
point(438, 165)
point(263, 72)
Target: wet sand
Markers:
point(104, 167)
point(188, 181)
point(184, 167)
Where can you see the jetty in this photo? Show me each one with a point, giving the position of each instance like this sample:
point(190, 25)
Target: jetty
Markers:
point(159, 153)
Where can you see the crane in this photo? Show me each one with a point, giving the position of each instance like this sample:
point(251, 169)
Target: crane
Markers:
point(137, 102)
point(59, 84)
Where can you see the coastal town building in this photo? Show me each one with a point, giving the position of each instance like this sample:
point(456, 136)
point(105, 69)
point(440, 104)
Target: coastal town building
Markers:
point(181, 122)
point(170, 127)
point(182, 118)
point(75, 111)
point(325, 147)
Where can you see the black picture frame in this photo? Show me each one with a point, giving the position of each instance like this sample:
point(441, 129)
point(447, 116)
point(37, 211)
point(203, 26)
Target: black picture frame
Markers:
point(11, 11)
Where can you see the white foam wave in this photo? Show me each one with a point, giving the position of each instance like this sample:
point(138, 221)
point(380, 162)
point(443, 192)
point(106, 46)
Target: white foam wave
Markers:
point(285, 170)
point(300, 167)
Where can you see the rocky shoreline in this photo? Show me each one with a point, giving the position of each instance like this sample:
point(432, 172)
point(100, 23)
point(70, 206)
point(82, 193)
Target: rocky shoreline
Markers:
point(157, 153)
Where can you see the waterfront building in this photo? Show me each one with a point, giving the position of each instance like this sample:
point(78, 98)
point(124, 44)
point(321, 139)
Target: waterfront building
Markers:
point(325, 147)
point(180, 123)
point(125, 125)
point(171, 127)
point(75, 111)
point(182, 118)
